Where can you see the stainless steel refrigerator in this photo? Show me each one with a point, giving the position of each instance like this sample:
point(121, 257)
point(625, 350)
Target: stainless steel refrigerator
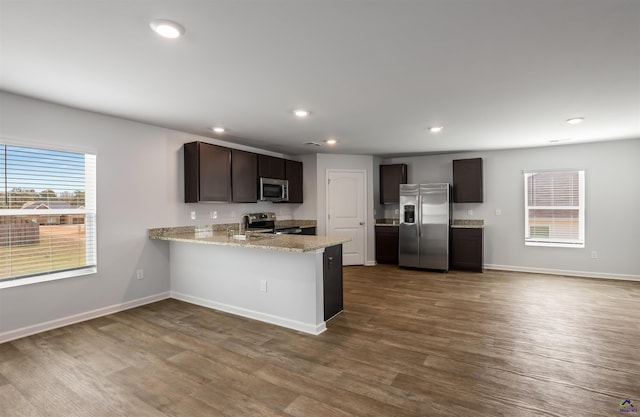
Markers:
point(425, 216)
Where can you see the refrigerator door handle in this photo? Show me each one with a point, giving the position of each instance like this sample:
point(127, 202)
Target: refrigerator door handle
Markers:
point(418, 219)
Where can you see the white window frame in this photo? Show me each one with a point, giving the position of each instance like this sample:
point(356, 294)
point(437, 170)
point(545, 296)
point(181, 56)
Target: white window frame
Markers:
point(89, 210)
point(556, 241)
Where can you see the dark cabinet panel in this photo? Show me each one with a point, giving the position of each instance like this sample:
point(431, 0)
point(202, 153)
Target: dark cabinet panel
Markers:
point(271, 167)
point(387, 244)
point(207, 172)
point(467, 249)
point(244, 176)
point(332, 290)
point(310, 231)
point(391, 176)
point(293, 173)
point(467, 180)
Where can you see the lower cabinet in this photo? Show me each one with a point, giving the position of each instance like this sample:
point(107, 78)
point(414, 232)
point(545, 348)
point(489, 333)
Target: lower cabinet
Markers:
point(332, 273)
point(387, 244)
point(467, 249)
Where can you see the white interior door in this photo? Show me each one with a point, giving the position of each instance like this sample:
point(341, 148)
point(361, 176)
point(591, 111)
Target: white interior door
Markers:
point(346, 212)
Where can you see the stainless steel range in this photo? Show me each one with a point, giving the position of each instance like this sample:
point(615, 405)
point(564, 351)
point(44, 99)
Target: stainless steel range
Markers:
point(267, 221)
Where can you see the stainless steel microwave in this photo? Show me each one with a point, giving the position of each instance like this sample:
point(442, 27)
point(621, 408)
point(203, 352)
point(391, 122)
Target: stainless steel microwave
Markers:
point(274, 190)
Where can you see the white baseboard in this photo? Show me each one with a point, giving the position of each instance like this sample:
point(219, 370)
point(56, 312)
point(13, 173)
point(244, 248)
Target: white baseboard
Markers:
point(370, 263)
point(252, 314)
point(584, 274)
point(76, 318)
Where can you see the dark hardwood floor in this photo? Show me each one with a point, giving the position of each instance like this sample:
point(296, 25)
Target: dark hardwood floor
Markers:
point(409, 343)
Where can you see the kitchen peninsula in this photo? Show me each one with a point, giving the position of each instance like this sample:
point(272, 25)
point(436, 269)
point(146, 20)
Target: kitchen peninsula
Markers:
point(294, 281)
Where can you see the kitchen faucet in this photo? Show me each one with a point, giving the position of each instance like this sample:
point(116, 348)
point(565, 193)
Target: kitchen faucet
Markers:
point(242, 224)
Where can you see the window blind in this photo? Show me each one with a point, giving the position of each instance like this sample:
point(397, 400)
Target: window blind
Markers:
point(47, 211)
point(554, 208)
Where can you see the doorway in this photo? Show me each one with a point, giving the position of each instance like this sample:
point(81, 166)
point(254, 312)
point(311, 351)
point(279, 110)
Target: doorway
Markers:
point(346, 212)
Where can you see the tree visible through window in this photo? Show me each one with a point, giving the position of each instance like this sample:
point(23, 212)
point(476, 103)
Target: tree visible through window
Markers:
point(47, 212)
point(554, 208)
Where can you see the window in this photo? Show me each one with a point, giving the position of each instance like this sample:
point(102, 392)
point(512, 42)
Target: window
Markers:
point(554, 208)
point(47, 214)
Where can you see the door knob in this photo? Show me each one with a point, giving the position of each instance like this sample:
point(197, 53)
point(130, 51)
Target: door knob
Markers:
point(361, 223)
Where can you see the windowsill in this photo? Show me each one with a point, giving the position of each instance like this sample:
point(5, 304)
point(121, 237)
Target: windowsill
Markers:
point(48, 277)
point(556, 244)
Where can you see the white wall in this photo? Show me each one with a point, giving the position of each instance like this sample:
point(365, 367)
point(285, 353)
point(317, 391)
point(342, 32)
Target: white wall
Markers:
point(140, 185)
point(355, 162)
point(612, 199)
point(294, 296)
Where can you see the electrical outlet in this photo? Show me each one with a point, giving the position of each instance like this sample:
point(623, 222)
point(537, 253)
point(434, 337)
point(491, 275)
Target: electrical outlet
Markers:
point(140, 274)
point(498, 212)
point(594, 254)
point(193, 215)
point(470, 212)
point(263, 285)
point(396, 211)
point(213, 214)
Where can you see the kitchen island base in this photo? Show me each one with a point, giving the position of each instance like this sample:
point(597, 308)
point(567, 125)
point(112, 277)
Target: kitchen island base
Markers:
point(282, 288)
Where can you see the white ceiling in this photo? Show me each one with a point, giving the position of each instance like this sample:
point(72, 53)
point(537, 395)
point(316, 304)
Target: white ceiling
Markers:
point(375, 74)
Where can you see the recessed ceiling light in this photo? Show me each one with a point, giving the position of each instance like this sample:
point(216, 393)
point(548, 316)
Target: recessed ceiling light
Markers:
point(167, 28)
point(219, 129)
point(331, 141)
point(436, 129)
point(575, 120)
point(301, 113)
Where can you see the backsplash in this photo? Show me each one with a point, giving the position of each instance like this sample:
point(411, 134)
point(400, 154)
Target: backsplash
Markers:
point(223, 213)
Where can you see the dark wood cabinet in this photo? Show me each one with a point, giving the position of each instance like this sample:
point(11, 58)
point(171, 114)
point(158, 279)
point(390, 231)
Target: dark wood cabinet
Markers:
point(387, 244)
point(271, 167)
point(309, 231)
point(207, 172)
point(332, 288)
point(215, 173)
point(293, 173)
point(244, 176)
point(391, 176)
point(467, 180)
point(467, 249)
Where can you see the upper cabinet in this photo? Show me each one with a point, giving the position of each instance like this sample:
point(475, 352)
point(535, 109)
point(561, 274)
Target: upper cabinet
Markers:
point(217, 174)
point(271, 167)
point(207, 172)
point(293, 171)
point(467, 180)
point(244, 176)
point(391, 176)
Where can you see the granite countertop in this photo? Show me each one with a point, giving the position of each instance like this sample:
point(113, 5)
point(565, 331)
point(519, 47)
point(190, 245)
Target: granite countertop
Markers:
point(212, 235)
point(467, 224)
